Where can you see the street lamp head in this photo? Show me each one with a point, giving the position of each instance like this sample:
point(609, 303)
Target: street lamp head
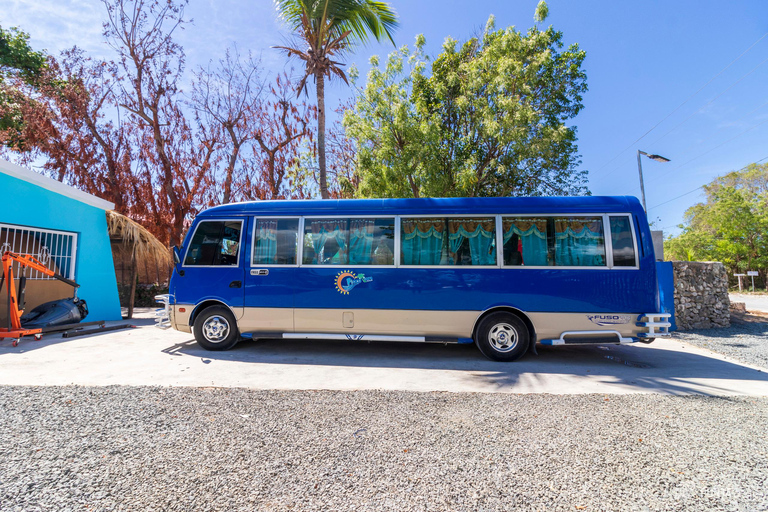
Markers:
point(658, 158)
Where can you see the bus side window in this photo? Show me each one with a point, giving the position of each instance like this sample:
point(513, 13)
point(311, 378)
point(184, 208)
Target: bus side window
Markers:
point(472, 241)
point(381, 248)
point(448, 241)
point(215, 243)
point(579, 242)
point(275, 242)
point(326, 241)
point(422, 241)
point(525, 241)
point(623, 242)
point(349, 241)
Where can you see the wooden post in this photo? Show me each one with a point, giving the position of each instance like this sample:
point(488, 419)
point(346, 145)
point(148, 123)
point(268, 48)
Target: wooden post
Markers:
point(134, 272)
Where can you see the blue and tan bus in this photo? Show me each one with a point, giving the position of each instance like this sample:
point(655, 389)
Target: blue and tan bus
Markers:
point(503, 273)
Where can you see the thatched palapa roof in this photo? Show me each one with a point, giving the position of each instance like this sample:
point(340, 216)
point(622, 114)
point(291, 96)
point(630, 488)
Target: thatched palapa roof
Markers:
point(135, 236)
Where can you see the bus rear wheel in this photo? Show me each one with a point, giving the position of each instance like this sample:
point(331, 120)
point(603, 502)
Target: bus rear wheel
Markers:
point(216, 329)
point(502, 336)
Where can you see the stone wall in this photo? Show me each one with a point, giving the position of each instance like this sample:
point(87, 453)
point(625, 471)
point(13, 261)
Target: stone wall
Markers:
point(701, 295)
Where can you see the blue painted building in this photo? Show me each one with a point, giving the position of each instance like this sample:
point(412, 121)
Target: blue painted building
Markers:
point(66, 229)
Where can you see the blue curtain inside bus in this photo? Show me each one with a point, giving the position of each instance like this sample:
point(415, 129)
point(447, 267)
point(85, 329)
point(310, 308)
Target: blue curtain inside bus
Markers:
point(422, 241)
point(329, 241)
point(579, 242)
point(533, 237)
point(480, 233)
point(266, 242)
point(360, 241)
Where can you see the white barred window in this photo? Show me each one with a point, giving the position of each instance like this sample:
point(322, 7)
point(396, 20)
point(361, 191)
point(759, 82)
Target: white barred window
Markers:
point(57, 250)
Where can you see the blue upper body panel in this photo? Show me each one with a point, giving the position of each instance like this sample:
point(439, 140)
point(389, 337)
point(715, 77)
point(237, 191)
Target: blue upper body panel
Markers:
point(458, 288)
point(434, 206)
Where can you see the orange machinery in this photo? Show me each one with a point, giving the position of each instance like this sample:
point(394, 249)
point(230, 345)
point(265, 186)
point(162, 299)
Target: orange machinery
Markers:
point(16, 301)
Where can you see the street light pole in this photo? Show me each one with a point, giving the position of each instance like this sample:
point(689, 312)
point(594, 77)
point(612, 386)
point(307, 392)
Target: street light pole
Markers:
point(658, 158)
point(642, 186)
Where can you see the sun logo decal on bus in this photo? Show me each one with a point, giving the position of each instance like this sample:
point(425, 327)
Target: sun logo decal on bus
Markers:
point(346, 280)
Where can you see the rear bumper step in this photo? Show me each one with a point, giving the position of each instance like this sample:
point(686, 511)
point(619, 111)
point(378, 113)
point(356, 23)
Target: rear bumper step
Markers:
point(658, 324)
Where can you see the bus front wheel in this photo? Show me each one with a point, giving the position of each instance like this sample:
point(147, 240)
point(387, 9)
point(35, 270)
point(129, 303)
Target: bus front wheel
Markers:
point(216, 329)
point(502, 336)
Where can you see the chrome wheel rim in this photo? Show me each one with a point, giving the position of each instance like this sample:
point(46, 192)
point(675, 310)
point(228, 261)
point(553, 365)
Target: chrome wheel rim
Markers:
point(503, 337)
point(216, 329)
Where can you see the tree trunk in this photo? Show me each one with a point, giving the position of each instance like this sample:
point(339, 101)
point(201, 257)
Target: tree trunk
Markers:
point(134, 275)
point(321, 133)
point(178, 228)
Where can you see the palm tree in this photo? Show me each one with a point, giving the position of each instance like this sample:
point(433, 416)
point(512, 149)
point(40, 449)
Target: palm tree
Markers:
point(328, 28)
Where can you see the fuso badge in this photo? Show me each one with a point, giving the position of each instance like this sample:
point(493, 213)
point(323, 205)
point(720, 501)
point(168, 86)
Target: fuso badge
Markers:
point(609, 319)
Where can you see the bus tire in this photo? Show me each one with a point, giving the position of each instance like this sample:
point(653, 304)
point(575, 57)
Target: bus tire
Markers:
point(502, 336)
point(216, 329)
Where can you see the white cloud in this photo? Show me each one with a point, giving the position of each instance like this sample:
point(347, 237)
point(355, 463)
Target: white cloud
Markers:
point(58, 25)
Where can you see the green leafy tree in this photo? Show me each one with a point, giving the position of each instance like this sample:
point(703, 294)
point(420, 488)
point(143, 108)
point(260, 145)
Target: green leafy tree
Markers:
point(484, 118)
point(326, 29)
point(21, 68)
point(731, 226)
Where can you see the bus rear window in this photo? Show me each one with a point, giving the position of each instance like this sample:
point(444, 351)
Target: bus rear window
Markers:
point(215, 243)
point(275, 242)
point(623, 242)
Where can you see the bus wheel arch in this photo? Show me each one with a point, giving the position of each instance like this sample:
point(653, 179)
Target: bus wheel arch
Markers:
point(514, 311)
point(205, 305)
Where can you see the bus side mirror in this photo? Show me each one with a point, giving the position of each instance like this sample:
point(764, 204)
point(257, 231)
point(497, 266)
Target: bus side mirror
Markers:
point(176, 255)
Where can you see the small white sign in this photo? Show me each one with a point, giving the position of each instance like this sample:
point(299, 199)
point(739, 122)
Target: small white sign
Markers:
point(752, 273)
point(739, 275)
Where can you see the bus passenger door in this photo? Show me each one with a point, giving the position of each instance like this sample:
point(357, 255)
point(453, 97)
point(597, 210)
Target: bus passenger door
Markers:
point(212, 267)
point(269, 276)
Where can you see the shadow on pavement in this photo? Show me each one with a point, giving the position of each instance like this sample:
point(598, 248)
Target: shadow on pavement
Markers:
point(649, 367)
point(54, 338)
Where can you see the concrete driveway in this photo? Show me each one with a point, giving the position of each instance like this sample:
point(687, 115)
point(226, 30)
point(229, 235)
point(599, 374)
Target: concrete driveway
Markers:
point(752, 302)
point(150, 356)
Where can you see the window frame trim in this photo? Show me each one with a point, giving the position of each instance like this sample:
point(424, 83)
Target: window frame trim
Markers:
point(255, 218)
point(398, 246)
point(241, 220)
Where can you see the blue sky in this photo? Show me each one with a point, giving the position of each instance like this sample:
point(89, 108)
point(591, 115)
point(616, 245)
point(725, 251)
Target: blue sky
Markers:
point(644, 59)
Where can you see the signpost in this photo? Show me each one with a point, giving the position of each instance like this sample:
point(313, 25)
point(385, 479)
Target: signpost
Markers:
point(752, 274)
point(739, 276)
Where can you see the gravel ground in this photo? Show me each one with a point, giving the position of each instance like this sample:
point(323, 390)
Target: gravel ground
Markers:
point(197, 449)
point(746, 340)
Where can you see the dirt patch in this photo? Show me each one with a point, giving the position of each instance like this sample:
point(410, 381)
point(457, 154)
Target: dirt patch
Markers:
point(748, 317)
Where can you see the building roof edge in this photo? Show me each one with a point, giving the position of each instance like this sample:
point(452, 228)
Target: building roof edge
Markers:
point(52, 185)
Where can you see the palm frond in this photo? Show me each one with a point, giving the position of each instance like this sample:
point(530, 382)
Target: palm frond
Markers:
point(293, 51)
point(292, 11)
point(320, 21)
point(338, 72)
point(371, 17)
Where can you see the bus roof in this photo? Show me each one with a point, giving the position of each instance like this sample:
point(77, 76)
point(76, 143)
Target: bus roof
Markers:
point(458, 205)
